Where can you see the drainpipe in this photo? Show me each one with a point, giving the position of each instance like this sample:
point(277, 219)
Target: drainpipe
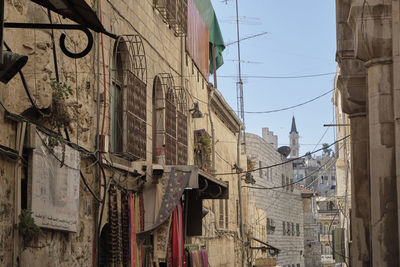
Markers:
point(96, 241)
point(209, 110)
point(19, 144)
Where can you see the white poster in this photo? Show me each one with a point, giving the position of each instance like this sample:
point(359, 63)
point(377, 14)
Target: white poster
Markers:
point(55, 189)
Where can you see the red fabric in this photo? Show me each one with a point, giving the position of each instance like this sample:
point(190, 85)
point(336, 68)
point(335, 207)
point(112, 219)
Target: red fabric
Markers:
point(133, 230)
point(141, 210)
point(178, 246)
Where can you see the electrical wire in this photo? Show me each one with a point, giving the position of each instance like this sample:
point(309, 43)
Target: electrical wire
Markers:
point(290, 107)
point(282, 163)
point(289, 184)
point(278, 77)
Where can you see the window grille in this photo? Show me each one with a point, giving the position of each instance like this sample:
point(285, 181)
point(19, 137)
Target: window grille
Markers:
point(174, 13)
point(170, 143)
point(129, 76)
point(182, 138)
point(170, 127)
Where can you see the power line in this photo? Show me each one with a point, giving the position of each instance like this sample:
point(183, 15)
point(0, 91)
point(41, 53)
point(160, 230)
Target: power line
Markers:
point(289, 184)
point(290, 160)
point(290, 107)
point(278, 77)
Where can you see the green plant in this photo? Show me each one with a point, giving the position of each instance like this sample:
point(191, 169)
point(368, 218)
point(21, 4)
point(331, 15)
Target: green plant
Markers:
point(250, 165)
point(59, 114)
point(202, 149)
point(60, 90)
point(27, 227)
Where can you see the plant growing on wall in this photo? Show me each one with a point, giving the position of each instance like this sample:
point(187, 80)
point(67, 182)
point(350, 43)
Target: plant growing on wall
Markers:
point(27, 227)
point(60, 117)
point(202, 150)
point(250, 165)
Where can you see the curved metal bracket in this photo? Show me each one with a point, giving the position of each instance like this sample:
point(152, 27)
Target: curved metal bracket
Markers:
point(201, 190)
point(81, 54)
point(17, 25)
point(218, 194)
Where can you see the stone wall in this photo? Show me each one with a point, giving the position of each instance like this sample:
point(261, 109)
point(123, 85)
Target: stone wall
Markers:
point(164, 54)
point(280, 204)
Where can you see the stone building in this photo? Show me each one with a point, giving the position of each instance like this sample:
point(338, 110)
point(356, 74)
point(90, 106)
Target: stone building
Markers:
point(368, 57)
point(343, 168)
point(312, 244)
point(327, 214)
point(280, 207)
point(93, 138)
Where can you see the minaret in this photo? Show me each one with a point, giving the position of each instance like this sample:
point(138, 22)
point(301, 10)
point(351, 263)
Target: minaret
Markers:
point(294, 140)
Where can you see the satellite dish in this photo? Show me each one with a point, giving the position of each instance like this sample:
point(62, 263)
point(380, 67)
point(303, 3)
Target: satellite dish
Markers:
point(284, 150)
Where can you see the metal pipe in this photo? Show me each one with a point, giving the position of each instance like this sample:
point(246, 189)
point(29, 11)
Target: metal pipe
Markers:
point(1, 29)
point(240, 202)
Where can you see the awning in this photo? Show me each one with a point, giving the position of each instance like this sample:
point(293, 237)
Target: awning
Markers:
point(272, 250)
point(76, 10)
point(207, 185)
point(207, 12)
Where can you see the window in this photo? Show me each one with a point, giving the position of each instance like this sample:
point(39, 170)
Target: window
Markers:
point(326, 229)
point(221, 213)
point(327, 250)
point(297, 229)
point(333, 178)
point(269, 174)
point(283, 182)
point(298, 265)
point(283, 228)
point(270, 226)
point(226, 214)
point(128, 112)
point(287, 183)
point(288, 228)
point(169, 122)
point(174, 13)
point(292, 229)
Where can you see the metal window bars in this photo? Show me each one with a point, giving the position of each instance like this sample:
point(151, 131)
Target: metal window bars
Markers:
point(174, 13)
point(133, 69)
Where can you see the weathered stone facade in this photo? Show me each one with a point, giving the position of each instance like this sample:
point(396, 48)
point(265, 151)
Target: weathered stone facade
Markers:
point(282, 206)
point(312, 245)
point(90, 115)
point(368, 57)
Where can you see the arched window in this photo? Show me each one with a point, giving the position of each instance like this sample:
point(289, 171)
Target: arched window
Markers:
point(170, 127)
point(182, 139)
point(128, 100)
point(169, 122)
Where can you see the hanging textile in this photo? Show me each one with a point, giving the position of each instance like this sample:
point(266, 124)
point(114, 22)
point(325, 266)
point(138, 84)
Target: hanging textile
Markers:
point(177, 181)
point(161, 233)
point(195, 258)
point(178, 246)
point(125, 226)
point(204, 258)
point(141, 222)
point(132, 230)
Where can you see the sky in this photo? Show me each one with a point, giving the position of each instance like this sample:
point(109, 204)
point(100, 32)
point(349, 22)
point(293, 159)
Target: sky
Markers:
point(301, 40)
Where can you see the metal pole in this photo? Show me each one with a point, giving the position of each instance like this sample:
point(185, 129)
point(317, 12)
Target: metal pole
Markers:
point(1, 29)
point(240, 82)
point(240, 201)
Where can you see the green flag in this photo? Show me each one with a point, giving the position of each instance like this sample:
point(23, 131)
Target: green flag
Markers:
point(206, 11)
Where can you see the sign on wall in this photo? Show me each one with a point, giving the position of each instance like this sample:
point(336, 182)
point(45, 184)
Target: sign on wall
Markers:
point(54, 187)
